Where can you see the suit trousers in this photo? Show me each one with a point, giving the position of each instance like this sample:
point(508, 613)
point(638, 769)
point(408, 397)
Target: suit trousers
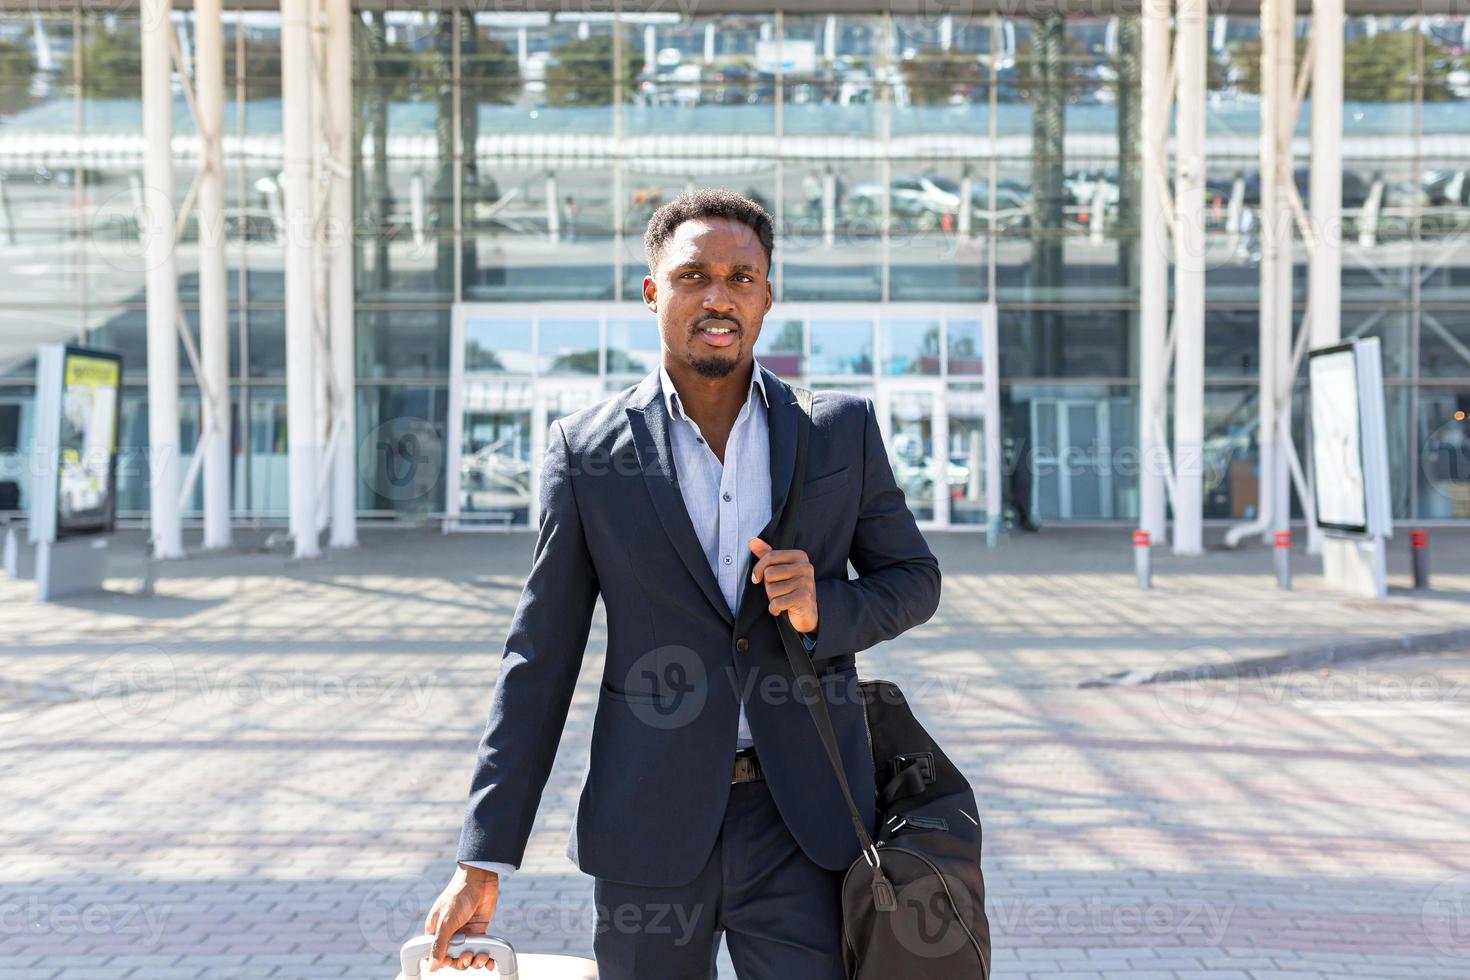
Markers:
point(780, 912)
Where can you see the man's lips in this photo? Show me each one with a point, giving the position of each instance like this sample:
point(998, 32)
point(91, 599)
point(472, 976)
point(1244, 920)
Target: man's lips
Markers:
point(711, 334)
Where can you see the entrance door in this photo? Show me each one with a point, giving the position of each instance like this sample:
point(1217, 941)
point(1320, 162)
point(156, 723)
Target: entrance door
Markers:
point(1071, 467)
point(916, 434)
point(514, 369)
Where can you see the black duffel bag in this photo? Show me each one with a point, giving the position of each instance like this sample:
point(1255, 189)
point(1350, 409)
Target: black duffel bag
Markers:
point(913, 903)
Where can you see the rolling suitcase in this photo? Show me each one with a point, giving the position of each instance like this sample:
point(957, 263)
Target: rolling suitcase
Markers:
point(508, 965)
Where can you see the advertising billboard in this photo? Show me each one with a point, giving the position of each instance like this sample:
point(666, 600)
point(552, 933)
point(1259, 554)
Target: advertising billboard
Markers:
point(1349, 439)
point(1337, 443)
point(86, 475)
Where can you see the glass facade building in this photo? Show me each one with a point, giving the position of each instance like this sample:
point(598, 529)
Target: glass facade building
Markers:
point(928, 175)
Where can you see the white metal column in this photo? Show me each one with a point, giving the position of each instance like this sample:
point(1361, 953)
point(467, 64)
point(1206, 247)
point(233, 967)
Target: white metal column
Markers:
point(340, 280)
point(994, 505)
point(1277, 366)
point(1153, 268)
point(1324, 293)
point(214, 314)
point(301, 376)
point(1278, 121)
point(1189, 279)
point(161, 286)
point(321, 355)
point(1324, 272)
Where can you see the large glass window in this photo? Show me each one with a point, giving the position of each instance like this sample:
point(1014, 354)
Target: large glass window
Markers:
point(910, 347)
point(533, 364)
point(1070, 452)
point(1067, 342)
point(17, 422)
point(937, 217)
point(1443, 478)
point(634, 347)
point(966, 454)
point(831, 231)
point(842, 347)
point(500, 346)
point(391, 343)
point(515, 157)
point(706, 74)
point(401, 450)
point(1444, 342)
point(912, 443)
point(779, 347)
point(966, 347)
point(834, 74)
point(569, 347)
point(494, 479)
point(266, 489)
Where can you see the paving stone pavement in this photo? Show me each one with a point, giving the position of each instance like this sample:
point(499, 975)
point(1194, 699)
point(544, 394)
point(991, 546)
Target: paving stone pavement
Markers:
point(258, 771)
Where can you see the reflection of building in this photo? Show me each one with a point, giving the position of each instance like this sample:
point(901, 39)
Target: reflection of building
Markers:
point(948, 161)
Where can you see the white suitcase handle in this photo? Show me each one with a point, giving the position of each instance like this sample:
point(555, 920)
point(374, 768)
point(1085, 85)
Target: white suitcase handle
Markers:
point(417, 949)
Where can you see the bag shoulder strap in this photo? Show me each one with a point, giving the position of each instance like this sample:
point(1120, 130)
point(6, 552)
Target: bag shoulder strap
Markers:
point(808, 687)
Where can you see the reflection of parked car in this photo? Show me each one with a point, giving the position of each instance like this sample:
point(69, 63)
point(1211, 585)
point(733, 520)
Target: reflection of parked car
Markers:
point(915, 477)
point(1008, 85)
point(1444, 195)
point(1012, 204)
point(686, 90)
point(678, 84)
point(913, 201)
point(924, 202)
point(494, 478)
point(1097, 85)
point(855, 87)
point(60, 176)
point(1357, 193)
point(763, 88)
point(1087, 189)
point(1447, 188)
point(1355, 187)
point(249, 224)
point(730, 85)
point(921, 202)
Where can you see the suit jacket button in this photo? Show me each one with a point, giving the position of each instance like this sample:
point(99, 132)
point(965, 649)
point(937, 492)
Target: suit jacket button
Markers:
point(742, 644)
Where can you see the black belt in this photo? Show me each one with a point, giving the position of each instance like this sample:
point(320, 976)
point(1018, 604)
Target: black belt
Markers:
point(747, 767)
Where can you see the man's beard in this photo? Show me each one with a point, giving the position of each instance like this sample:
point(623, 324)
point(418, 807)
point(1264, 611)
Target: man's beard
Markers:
point(713, 367)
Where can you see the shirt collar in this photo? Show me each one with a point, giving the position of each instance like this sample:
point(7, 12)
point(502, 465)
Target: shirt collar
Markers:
point(671, 394)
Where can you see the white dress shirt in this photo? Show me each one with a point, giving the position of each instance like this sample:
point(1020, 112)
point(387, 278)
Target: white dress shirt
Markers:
point(728, 503)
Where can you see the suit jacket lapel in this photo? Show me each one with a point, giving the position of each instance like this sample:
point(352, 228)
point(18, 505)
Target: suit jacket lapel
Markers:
point(649, 420)
point(781, 418)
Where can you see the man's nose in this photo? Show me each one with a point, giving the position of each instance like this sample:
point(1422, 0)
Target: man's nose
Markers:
point(717, 299)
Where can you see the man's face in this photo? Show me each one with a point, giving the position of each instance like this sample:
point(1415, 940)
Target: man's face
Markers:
point(711, 294)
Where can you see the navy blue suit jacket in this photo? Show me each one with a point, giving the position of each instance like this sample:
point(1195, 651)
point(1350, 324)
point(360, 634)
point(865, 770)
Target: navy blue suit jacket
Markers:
point(678, 664)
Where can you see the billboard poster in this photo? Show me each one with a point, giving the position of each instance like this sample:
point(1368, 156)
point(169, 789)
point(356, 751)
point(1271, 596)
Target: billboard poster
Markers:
point(1339, 480)
point(86, 486)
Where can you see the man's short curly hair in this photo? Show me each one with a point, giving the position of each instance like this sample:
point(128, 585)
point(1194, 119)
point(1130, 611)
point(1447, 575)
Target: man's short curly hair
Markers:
point(710, 202)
